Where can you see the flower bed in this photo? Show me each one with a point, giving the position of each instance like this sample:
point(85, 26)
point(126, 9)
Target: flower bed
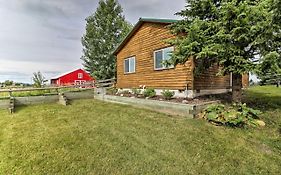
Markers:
point(197, 100)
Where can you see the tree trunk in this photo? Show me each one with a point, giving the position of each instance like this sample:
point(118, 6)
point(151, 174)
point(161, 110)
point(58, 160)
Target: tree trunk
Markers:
point(236, 88)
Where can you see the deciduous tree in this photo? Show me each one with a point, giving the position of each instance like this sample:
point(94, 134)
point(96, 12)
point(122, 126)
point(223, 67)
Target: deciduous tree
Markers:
point(38, 79)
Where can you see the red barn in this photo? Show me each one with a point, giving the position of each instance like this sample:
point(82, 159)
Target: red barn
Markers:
point(78, 76)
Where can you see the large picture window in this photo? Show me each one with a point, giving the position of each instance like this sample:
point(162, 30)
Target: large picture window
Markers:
point(162, 55)
point(130, 65)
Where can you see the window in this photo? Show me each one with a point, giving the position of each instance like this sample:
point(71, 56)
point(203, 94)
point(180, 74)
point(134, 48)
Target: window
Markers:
point(162, 55)
point(80, 75)
point(79, 82)
point(130, 65)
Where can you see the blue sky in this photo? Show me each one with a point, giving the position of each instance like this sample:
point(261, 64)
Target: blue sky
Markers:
point(45, 34)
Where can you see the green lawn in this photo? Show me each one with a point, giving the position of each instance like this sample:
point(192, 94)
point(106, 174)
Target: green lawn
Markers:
point(92, 137)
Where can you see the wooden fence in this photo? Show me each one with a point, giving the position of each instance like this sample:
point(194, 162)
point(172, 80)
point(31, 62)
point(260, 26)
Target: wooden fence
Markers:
point(87, 85)
point(105, 83)
point(62, 98)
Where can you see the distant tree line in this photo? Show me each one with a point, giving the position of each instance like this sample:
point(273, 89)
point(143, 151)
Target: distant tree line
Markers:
point(9, 83)
point(38, 81)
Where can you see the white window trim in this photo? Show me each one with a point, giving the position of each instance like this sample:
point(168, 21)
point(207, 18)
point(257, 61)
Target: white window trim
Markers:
point(80, 75)
point(133, 57)
point(154, 58)
point(79, 82)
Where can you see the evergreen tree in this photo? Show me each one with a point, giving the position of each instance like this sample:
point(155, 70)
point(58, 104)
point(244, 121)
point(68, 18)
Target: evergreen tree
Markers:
point(231, 33)
point(269, 69)
point(105, 29)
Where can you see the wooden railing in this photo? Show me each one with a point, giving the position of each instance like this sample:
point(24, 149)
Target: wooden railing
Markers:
point(87, 85)
point(101, 84)
point(105, 83)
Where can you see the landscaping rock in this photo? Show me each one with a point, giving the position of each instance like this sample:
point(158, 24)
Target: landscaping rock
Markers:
point(260, 123)
point(184, 101)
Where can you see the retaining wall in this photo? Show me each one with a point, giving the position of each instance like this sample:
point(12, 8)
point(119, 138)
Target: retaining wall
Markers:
point(79, 95)
point(187, 110)
point(4, 103)
point(19, 101)
point(31, 100)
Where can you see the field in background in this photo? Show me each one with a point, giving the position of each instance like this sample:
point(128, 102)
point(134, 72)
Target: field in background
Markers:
point(92, 137)
point(39, 92)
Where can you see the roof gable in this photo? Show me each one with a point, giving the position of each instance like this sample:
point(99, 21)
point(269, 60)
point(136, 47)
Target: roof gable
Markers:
point(65, 73)
point(137, 26)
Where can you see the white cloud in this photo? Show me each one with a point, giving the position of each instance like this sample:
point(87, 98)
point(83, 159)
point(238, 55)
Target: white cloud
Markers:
point(45, 34)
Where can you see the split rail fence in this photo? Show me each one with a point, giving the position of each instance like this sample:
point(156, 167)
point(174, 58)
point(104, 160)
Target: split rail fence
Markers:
point(61, 94)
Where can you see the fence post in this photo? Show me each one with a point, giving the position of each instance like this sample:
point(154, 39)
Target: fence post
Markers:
point(57, 90)
point(62, 99)
point(12, 102)
point(10, 93)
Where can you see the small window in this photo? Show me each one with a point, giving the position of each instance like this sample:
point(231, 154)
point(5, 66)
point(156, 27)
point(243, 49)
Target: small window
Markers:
point(130, 65)
point(162, 55)
point(80, 75)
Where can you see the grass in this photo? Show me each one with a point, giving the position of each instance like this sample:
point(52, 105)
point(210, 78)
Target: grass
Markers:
point(264, 97)
point(92, 137)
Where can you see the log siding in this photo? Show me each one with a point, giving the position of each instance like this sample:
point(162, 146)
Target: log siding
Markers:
point(148, 37)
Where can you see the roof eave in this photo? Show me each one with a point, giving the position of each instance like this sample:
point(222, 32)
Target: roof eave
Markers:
point(136, 27)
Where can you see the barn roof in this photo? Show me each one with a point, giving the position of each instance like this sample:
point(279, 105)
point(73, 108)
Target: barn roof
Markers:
point(63, 74)
point(137, 26)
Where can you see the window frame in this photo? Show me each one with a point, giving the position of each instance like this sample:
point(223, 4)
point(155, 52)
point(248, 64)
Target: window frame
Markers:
point(131, 57)
point(80, 75)
point(163, 55)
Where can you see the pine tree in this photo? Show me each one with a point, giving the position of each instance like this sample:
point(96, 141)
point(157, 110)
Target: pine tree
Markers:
point(105, 29)
point(269, 69)
point(231, 33)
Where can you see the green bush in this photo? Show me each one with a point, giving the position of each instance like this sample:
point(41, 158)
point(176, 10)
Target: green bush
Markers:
point(167, 94)
point(236, 115)
point(136, 91)
point(149, 92)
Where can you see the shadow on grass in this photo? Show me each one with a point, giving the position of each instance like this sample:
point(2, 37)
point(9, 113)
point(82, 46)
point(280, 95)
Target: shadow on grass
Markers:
point(19, 108)
point(257, 99)
point(262, 101)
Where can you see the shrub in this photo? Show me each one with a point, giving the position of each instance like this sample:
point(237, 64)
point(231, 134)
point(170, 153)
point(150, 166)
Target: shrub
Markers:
point(149, 92)
point(167, 94)
point(136, 91)
point(236, 115)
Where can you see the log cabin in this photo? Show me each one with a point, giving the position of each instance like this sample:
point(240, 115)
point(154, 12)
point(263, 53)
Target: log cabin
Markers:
point(139, 64)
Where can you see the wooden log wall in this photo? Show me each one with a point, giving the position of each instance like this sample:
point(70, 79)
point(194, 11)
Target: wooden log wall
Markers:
point(149, 38)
